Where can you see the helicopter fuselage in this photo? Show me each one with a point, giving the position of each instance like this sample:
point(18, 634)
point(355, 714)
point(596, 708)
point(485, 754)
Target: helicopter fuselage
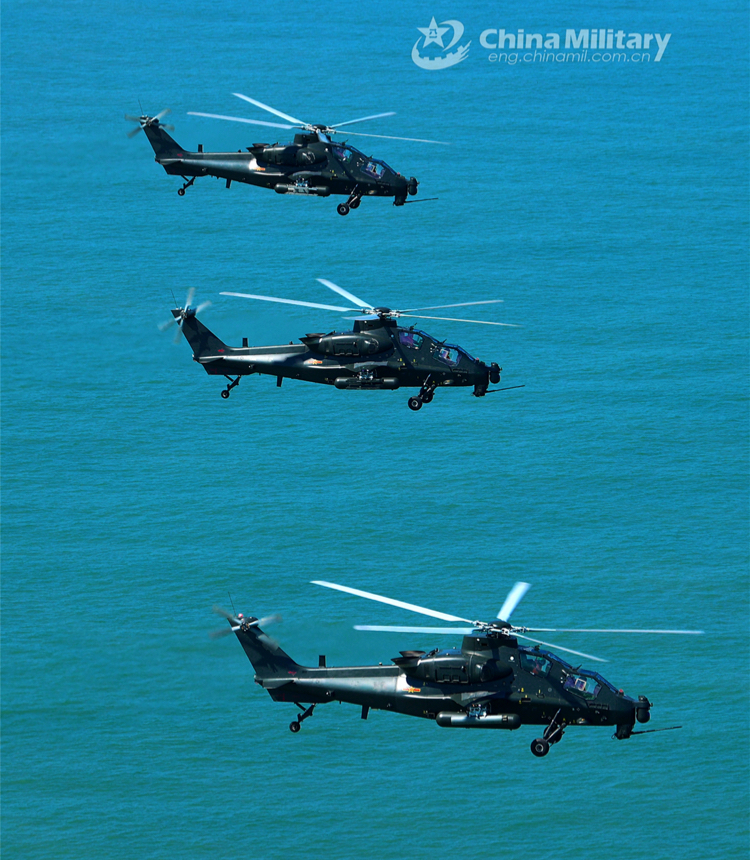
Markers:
point(376, 354)
point(312, 165)
point(490, 682)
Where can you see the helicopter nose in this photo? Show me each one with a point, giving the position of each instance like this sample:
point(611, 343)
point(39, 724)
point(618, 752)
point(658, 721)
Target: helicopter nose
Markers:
point(400, 190)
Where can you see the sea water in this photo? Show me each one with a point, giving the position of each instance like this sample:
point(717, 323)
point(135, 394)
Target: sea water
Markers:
point(604, 202)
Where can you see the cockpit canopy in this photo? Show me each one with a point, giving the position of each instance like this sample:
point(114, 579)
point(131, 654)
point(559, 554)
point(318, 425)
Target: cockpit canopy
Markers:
point(350, 155)
point(448, 353)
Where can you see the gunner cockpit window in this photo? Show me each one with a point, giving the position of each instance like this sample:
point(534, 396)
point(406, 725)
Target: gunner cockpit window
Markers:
point(449, 354)
point(583, 685)
point(375, 169)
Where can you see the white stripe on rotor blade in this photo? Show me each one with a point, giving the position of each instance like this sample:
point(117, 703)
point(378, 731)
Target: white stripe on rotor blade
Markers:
point(380, 628)
point(512, 600)
point(410, 606)
point(560, 648)
point(455, 319)
point(293, 302)
point(603, 630)
point(270, 109)
point(342, 292)
point(239, 119)
point(459, 305)
point(361, 119)
point(390, 137)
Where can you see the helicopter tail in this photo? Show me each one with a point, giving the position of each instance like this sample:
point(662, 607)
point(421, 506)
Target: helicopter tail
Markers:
point(204, 343)
point(266, 655)
point(163, 145)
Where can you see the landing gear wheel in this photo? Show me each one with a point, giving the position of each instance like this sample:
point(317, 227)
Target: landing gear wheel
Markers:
point(342, 209)
point(540, 747)
point(355, 204)
point(181, 192)
point(415, 403)
point(232, 382)
point(294, 727)
point(427, 398)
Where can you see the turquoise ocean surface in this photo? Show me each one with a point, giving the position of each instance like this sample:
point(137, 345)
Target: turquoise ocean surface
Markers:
point(606, 202)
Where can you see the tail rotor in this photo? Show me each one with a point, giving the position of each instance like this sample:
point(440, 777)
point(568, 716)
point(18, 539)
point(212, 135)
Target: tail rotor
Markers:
point(179, 315)
point(240, 622)
point(148, 121)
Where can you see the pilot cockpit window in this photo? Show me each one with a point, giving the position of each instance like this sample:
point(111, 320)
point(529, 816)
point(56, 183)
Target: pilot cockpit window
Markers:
point(583, 685)
point(410, 339)
point(535, 663)
point(449, 354)
point(376, 169)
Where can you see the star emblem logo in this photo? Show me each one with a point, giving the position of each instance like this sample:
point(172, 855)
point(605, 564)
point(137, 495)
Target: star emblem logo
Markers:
point(433, 33)
point(433, 36)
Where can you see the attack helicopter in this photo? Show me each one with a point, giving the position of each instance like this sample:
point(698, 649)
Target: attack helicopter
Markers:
point(491, 682)
point(313, 165)
point(378, 354)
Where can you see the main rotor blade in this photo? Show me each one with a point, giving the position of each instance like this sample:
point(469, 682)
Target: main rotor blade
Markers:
point(560, 648)
point(454, 319)
point(290, 302)
point(390, 137)
point(342, 292)
point(270, 109)
point(463, 631)
point(444, 616)
point(240, 119)
point(591, 630)
point(459, 305)
point(512, 600)
point(362, 119)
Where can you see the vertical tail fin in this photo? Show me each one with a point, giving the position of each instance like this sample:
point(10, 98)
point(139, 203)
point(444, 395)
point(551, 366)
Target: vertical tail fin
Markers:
point(163, 145)
point(266, 655)
point(203, 341)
